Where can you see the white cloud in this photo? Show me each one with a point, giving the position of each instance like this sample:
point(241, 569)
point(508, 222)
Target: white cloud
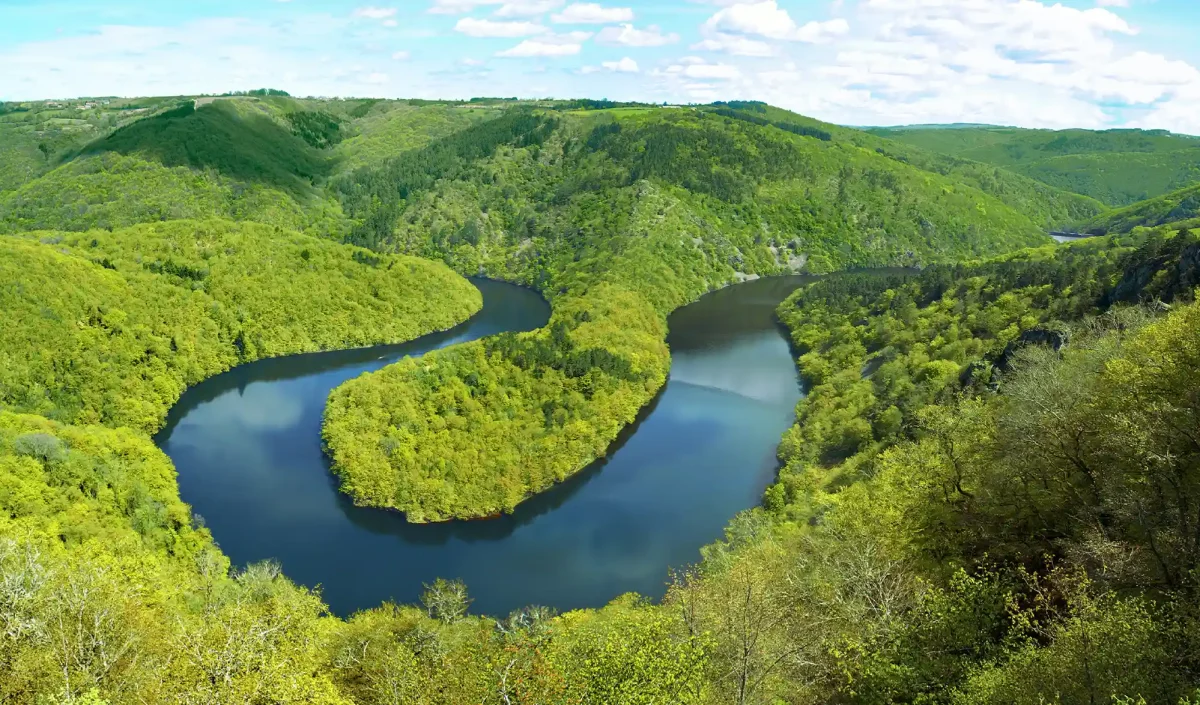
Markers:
point(592, 13)
point(694, 68)
point(375, 13)
point(625, 65)
point(375, 78)
point(821, 32)
point(490, 28)
point(628, 35)
point(458, 7)
point(551, 45)
point(1033, 63)
point(734, 44)
point(401, 56)
point(767, 19)
point(527, 8)
point(390, 23)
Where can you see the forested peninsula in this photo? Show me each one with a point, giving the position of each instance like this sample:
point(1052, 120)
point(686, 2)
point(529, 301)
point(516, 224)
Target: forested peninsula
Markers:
point(110, 327)
point(647, 210)
point(990, 494)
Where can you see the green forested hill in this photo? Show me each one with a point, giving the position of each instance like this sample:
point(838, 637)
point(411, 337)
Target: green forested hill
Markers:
point(1046, 205)
point(1178, 207)
point(113, 594)
point(36, 137)
point(950, 556)
point(969, 510)
point(233, 158)
point(1116, 167)
point(975, 425)
point(647, 207)
point(387, 128)
point(113, 190)
point(152, 309)
point(225, 136)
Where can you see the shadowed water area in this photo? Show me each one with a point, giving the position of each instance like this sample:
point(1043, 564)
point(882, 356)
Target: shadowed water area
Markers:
point(247, 445)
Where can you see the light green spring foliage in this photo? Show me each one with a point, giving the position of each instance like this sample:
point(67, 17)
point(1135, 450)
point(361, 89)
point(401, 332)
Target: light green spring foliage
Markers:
point(1047, 205)
point(920, 575)
point(955, 553)
point(108, 592)
point(474, 430)
point(875, 349)
point(391, 127)
point(1177, 207)
point(37, 136)
point(112, 190)
point(619, 221)
point(155, 308)
point(230, 158)
point(1116, 167)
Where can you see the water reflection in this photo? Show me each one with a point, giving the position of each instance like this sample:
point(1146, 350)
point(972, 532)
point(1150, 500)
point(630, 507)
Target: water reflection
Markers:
point(247, 446)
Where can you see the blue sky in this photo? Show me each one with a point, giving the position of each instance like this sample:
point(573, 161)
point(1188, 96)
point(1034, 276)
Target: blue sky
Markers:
point(1086, 63)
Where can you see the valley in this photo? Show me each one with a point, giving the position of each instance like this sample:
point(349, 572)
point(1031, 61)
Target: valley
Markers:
point(408, 401)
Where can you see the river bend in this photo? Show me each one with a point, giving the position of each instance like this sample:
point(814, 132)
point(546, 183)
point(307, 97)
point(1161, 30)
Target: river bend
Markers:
point(247, 445)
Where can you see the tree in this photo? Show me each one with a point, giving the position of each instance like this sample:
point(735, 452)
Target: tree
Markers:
point(446, 600)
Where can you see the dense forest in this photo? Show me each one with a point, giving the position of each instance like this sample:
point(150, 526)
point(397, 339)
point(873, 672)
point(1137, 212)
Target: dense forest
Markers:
point(152, 309)
point(1116, 167)
point(989, 496)
point(619, 220)
point(1175, 210)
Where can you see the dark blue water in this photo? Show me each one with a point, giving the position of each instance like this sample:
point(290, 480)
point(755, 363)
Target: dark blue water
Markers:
point(248, 450)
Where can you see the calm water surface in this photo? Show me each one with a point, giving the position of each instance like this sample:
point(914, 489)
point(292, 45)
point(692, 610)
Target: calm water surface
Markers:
point(248, 450)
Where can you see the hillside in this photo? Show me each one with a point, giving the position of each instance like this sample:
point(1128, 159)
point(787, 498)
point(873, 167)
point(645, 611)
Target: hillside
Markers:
point(36, 137)
point(153, 309)
point(991, 493)
point(619, 217)
point(1045, 205)
point(1177, 207)
point(972, 425)
point(652, 206)
point(1116, 167)
point(266, 158)
point(942, 558)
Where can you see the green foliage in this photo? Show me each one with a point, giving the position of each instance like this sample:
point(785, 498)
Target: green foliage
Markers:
point(969, 510)
point(259, 92)
point(1079, 460)
point(155, 308)
point(1181, 205)
point(318, 129)
point(631, 657)
point(393, 128)
point(36, 137)
point(792, 127)
point(1047, 206)
point(619, 224)
point(1101, 649)
point(375, 195)
point(874, 350)
point(242, 144)
point(108, 593)
point(1116, 167)
point(474, 430)
point(114, 191)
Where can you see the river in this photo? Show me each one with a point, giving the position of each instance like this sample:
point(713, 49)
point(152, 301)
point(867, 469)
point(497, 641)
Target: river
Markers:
point(248, 450)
